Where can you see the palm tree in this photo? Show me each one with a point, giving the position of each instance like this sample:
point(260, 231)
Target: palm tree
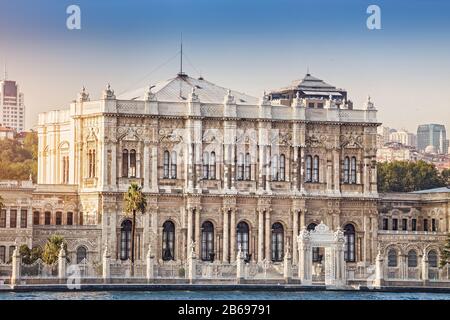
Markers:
point(134, 201)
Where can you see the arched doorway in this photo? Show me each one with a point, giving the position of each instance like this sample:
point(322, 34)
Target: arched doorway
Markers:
point(207, 241)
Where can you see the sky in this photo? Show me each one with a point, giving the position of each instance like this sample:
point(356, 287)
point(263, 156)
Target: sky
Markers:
point(247, 45)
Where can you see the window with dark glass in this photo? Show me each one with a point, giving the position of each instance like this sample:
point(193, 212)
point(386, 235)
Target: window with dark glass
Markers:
point(69, 218)
point(248, 167)
point(433, 225)
point(125, 163)
point(404, 224)
point(58, 218)
point(385, 224)
point(3, 218)
point(2, 254)
point(414, 224)
point(277, 242)
point(207, 241)
point(125, 240)
point(394, 224)
point(425, 224)
point(308, 176)
point(315, 250)
point(47, 218)
point(168, 239)
point(392, 258)
point(36, 215)
point(23, 218)
point(81, 254)
point(315, 177)
point(166, 164)
point(310, 105)
point(212, 166)
point(432, 259)
point(412, 259)
point(346, 170)
point(353, 170)
point(13, 218)
point(132, 172)
point(243, 237)
point(349, 234)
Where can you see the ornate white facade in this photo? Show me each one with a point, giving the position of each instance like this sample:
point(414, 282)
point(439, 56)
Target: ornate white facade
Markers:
point(220, 168)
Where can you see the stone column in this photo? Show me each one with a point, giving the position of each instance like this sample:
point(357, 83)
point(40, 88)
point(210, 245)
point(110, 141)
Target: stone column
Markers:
point(154, 171)
point(305, 258)
point(191, 272)
point(189, 228)
point(425, 266)
point(379, 272)
point(260, 235)
point(16, 262)
point(294, 236)
point(106, 266)
point(267, 243)
point(150, 264)
point(287, 266)
point(233, 235)
point(62, 263)
point(226, 240)
point(146, 162)
point(197, 232)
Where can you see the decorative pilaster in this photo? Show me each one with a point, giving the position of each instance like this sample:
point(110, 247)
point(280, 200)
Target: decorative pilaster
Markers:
point(226, 240)
point(197, 231)
point(294, 236)
point(150, 265)
point(233, 234)
point(260, 235)
point(268, 228)
point(287, 265)
point(146, 187)
point(106, 265)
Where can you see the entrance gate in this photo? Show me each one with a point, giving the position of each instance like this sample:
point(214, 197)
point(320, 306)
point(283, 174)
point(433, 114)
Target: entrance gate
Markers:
point(334, 244)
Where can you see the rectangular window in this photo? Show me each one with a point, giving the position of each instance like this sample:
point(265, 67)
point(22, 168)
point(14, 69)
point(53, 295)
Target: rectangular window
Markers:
point(23, 218)
point(414, 225)
point(404, 224)
point(385, 224)
point(425, 224)
point(69, 218)
point(81, 218)
point(2, 254)
point(13, 219)
point(311, 105)
point(58, 220)
point(36, 218)
point(320, 105)
point(3, 219)
point(433, 225)
point(394, 224)
point(47, 218)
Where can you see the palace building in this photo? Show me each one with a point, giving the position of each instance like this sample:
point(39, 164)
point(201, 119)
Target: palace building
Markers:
point(223, 171)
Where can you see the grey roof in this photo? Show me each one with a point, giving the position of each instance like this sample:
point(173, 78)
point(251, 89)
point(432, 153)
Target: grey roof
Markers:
point(434, 190)
point(310, 83)
point(207, 92)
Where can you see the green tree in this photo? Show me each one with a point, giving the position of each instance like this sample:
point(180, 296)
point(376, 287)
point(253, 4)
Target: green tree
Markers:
point(445, 174)
point(407, 176)
point(18, 160)
point(30, 255)
point(135, 201)
point(52, 248)
point(445, 253)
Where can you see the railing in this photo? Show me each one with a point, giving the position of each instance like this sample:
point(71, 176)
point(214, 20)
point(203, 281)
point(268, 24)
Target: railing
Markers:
point(38, 269)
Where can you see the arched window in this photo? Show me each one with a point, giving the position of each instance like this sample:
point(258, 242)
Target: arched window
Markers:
point(240, 167)
point(58, 218)
point(205, 165)
point(242, 237)
point(432, 259)
point(277, 242)
point(315, 250)
point(308, 177)
point(207, 241)
point(248, 167)
point(412, 259)
point(166, 165)
point(353, 170)
point(349, 233)
point(346, 170)
point(81, 254)
point(392, 258)
point(315, 177)
point(173, 165)
point(132, 163)
point(212, 166)
point(282, 171)
point(125, 163)
point(168, 239)
point(125, 240)
point(274, 166)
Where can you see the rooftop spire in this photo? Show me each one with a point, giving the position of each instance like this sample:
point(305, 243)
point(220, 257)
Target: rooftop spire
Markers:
point(181, 56)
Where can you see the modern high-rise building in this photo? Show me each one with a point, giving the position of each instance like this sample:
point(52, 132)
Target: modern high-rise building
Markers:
point(12, 106)
point(432, 135)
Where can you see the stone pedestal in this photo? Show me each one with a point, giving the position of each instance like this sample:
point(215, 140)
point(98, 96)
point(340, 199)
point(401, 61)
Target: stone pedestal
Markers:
point(106, 270)
point(16, 261)
point(287, 267)
point(378, 281)
point(240, 266)
point(150, 264)
point(62, 263)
